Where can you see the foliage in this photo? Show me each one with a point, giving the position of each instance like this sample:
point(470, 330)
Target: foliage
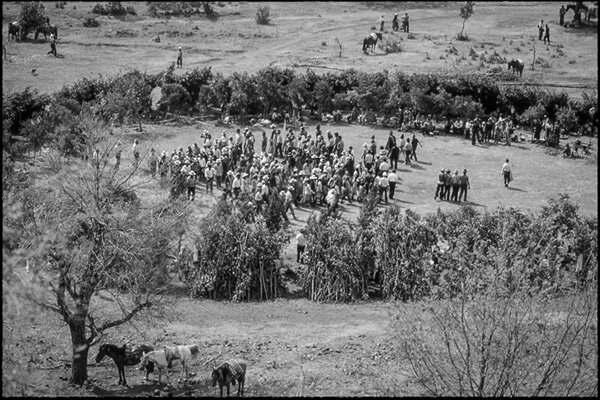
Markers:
point(567, 118)
point(237, 258)
point(262, 16)
point(90, 235)
point(496, 344)
point(333, 271)
point(393, 46)
point(91, 22)
point(114, 9)
point(32, 15)
point(466, 10)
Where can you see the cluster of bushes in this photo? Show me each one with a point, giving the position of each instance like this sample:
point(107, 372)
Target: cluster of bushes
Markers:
point(238, 254)
point(263, 15)
point(178, 8)
point(554, 252)
point(125, 97)
point(114, 9)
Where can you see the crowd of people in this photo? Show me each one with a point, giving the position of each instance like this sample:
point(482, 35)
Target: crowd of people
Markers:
point(304, 170)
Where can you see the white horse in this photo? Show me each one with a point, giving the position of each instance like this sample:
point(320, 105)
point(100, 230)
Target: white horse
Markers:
point(183, 353)
point(159, 358)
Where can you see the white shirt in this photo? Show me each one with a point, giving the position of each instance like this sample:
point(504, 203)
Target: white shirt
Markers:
point(392, 177)
point(506, 168)
point(301, 239)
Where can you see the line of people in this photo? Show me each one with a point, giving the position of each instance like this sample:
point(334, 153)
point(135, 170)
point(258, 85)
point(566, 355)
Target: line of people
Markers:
point(452, 187)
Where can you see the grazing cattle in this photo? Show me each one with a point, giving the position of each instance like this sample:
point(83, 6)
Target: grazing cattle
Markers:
point(371, 41)
point(228, 373)
point(517, 66)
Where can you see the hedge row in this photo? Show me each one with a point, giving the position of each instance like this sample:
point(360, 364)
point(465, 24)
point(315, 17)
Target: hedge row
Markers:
point(126, 97)
point(440, 254)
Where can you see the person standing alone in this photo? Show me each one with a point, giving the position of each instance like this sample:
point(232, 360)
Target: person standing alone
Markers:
point(561, 14)
point(506, 172)
point(381, 23)
point(179, 58)
point(52, 45)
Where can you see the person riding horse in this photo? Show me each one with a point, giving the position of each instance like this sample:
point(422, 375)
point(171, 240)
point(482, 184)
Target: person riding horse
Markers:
point(371, 41)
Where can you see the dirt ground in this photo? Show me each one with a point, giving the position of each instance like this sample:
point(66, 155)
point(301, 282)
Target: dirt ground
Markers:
point(293, 346)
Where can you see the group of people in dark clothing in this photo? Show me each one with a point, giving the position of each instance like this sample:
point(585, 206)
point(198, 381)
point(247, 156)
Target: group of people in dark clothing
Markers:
point(452, 187)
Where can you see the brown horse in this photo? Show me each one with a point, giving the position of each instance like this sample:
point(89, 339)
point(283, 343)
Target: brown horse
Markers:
point(122, 357)
point(371, 41)
point(228, 373)
point(517, 66)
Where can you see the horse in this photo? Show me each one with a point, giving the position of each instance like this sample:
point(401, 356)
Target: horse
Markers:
point(122, 357)
point(14, 31)
point(371, 41)
point(517, 66)
point(46, 29)
point(183, 353)
point(230, 372)
point(158, 358)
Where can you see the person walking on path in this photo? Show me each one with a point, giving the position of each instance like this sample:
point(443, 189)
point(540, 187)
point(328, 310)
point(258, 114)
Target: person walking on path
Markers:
point(153, 163)
point(300, 246)
point(52, 45)
point(541, 29)
point(191, 186)
point(179, 58)
point(384, 185)
point(507, 173)
point(464, 186)
point(415, 142)
point(407, 152)
point(561, 14)
point(546, 34)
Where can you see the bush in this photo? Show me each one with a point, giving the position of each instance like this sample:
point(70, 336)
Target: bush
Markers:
point(393, 46)
point(463, 37)
point(91, 22)
point(113, 8)
point(495, 345)
point(237, 259)
point(262, 15)
point(32, 15)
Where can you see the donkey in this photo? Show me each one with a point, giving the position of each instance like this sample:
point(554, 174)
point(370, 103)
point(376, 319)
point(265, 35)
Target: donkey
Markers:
point(228, 373)
point(371, 41)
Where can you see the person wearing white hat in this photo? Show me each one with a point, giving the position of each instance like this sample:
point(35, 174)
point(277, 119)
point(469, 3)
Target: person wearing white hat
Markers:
point(395, 22)
point(190, 182)
point(288, 199)
point(52, 45)
point(384, 185)
point(179, 58)
point(439, 190)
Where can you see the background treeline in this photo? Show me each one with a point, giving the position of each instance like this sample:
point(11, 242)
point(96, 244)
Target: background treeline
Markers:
point(128, 98)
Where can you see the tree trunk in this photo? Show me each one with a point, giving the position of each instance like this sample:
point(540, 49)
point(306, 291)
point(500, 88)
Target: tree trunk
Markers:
point(80, 351)
point(463, 27)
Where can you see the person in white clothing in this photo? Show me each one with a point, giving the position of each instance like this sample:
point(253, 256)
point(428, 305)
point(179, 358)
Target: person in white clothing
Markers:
point(301, 245)
point(392, 180)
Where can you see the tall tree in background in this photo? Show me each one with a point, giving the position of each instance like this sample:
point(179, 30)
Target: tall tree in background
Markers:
point(466, 10)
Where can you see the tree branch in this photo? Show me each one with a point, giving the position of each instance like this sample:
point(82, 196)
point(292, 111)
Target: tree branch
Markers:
point(126, 318)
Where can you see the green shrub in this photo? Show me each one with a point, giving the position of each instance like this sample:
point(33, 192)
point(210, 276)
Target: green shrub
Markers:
point(31, 16)
point(91, 22)
point(114, 9)
point(262, 16)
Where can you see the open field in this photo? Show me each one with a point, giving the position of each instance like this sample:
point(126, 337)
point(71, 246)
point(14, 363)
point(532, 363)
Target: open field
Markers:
point(293, 346)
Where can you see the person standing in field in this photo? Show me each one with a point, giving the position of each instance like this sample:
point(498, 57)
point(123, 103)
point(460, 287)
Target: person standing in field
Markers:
point(392, 181)
point(52, 45)
point(415, 142)
point(546, 34)
point(136, 152)
point(439, 190)
point(406, 22)
point(153, 163)
point(541, 29)
point(507, 173)
point(179, 58)
point(561, 14)
point(381, 23)
point(447, 185)
point(455, 186)
point(464, 186)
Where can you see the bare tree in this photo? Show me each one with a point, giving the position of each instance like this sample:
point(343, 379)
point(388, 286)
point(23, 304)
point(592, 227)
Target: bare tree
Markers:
point(91, 235)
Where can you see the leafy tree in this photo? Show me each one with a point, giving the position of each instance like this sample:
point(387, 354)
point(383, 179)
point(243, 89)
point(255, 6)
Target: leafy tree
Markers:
point(32, 15)
point(92, 236)
point(466, 10)
point(243, 95)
